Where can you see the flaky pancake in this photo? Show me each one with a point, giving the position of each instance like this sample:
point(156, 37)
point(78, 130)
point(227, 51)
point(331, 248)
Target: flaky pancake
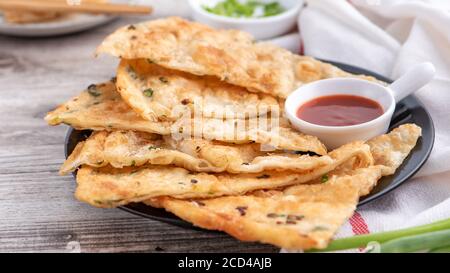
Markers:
point(110, 187)
point(100, 107)
point(128, 148)
point(157, 93)
point(306, 215)
point(230, 55)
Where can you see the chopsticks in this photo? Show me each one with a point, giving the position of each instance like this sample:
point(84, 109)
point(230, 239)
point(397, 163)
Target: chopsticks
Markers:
point(84, 7)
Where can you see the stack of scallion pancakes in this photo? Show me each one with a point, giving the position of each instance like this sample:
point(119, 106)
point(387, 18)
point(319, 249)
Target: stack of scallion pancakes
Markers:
point(193, 123)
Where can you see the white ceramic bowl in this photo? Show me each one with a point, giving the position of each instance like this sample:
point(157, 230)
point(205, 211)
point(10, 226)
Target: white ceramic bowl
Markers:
point(260, 28)
point(335, 136)
point(387, 97)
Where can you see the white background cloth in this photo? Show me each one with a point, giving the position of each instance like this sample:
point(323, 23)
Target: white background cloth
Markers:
point(388, 37)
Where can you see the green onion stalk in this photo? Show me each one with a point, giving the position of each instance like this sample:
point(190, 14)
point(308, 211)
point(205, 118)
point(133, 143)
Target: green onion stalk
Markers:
point(425, 237)
point(425, 241)
point(445, 249)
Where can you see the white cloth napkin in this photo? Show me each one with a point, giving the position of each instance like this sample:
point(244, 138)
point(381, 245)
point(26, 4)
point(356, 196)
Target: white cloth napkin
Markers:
point(388, 37)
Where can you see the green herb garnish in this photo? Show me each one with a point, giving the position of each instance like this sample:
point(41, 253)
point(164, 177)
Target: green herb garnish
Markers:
point(246, 9)
point(324, 178)
point(148, 92)
point(272, 9)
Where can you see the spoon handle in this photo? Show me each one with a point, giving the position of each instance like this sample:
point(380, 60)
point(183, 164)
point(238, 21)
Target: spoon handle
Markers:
point(414, 79)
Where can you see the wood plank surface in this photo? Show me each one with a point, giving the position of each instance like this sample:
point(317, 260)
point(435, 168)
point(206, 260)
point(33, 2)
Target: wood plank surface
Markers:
point(38, 212)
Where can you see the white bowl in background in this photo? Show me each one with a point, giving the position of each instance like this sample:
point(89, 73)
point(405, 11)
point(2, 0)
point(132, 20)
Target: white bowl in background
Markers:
point(260, 28)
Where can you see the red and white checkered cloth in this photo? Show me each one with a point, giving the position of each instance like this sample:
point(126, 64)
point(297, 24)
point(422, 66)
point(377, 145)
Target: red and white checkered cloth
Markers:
point(388, 37)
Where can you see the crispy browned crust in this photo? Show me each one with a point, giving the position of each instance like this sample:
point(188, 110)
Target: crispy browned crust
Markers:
point(110, 187)
point(305, 220)
point(100, 107)
point(390, 150)
point(128, 148)
point(334, 201)
point(230, 55)
point(294, 202)
point(174, 92)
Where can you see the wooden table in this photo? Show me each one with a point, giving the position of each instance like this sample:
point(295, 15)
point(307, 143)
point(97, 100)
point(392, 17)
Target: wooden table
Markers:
point(38, 212)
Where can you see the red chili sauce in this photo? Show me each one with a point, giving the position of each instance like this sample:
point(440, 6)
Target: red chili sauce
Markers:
point(339, 110)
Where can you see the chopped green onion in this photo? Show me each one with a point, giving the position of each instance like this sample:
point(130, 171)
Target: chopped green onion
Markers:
point(272, 9)
point(148, 92)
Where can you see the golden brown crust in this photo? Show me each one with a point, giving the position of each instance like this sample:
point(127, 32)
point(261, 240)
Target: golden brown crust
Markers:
point(100, 107)
point(157, 93)
point(334, 200)
point(223, 179)
point(128, 148)
point(305, 220)
point(109, 187)
point(229, 55)
point(390, 150)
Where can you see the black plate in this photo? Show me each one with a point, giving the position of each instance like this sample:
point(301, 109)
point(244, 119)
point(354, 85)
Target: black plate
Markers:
point(409, 110)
